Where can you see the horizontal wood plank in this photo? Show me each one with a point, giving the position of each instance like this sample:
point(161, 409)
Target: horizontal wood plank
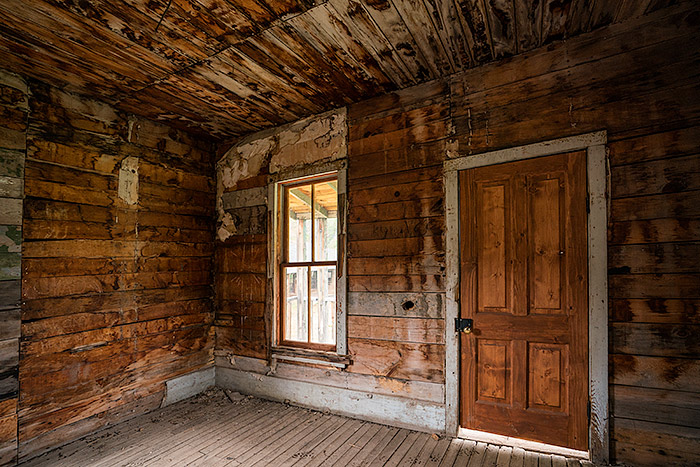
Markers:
point(655, 231)
point(654, 259)
point(679, 374)
point(669, 311)
point(416, 330)
point(396, 304)
point(656, 405)
point(396, 283)
point(641, 339)
point(418, 362)
point(655, 286)
point(662, 176)
point(655, 443)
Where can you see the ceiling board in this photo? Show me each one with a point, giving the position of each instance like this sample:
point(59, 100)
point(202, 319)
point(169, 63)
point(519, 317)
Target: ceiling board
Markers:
point(230, 67)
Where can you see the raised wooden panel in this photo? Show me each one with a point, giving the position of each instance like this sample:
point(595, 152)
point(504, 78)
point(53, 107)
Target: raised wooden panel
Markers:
point(494, 370)
point(545, 248)
point(547, 369)
point(491, 236)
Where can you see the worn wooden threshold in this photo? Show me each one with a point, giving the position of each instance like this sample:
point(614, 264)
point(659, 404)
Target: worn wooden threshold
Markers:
point(212, 430)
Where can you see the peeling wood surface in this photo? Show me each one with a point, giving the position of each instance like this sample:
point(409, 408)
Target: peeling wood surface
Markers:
point(245, 66)
point(14, 107)
point(241, 171)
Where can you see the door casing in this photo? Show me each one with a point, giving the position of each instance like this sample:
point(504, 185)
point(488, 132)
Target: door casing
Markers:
point(597, 185)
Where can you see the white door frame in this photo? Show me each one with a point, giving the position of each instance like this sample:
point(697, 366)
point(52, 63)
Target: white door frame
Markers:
point(596, 163)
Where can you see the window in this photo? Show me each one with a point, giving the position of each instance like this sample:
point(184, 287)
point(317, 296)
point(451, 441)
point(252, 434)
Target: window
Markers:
point(309, 262)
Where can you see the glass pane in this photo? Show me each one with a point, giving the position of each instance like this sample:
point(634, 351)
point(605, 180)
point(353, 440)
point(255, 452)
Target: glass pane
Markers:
point(299, 223)
point(326, 215)
point(323, 305)
point(296, 306)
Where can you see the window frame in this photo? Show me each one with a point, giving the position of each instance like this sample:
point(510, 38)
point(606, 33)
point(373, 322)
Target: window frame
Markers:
point(285, 263)
point(281, 349)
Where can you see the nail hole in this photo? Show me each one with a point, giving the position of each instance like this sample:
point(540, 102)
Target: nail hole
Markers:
point(397, 194)
point(408, 305)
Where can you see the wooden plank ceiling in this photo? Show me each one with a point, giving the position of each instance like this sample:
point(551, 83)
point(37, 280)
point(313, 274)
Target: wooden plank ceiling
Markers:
point(231, 67)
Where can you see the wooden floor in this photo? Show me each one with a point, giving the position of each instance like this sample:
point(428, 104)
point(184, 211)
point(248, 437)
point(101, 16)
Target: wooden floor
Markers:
point(211, 430)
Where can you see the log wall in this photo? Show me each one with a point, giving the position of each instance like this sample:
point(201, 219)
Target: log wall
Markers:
point(14, 107)
point(116, 271)
point(639, 81)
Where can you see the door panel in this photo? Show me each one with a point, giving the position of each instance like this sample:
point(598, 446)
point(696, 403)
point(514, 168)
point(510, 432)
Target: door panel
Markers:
point(491, 235)
point(545, 244)
point(524, 283)
point(547, 364)
point(493, 379)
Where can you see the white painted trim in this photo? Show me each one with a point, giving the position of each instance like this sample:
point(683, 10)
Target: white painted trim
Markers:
point(520, 443)
point(273, 203)
point(188, 385)
point(396, 411)
point(547, 148)
point(378, 385)
point(317, 168)
point(341, 331)
point(594, 144)
point(451, 301)
point(598, 303)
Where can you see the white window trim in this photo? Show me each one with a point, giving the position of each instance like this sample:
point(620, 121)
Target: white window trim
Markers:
point(274, 255)
point(596, 161)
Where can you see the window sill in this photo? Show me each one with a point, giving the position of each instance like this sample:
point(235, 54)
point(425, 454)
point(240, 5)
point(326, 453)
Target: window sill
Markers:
point(316, 357)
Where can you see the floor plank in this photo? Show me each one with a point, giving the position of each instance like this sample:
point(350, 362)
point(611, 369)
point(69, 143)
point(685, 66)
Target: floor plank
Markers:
point(439, 452)
point(210, 430)
point(452, 452)
point(390, 448)
point(330, 444)
point(476, 456)
point(518, 459)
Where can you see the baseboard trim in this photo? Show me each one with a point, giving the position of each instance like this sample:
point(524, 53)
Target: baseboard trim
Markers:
point(396, 411)
point(188, 385)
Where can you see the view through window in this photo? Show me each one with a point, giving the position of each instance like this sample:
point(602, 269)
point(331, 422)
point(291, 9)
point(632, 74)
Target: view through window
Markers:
point(308, 317)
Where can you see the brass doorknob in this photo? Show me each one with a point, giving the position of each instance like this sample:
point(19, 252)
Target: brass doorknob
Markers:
point(464, 325)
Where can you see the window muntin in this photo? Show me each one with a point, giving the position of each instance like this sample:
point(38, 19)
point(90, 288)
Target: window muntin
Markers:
point(309, 267)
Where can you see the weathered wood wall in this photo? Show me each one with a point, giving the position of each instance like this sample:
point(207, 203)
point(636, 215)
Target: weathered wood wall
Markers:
point(395, 235)
point(116, 270)
point(117, 238)
point(639, 81)
point(14, 106)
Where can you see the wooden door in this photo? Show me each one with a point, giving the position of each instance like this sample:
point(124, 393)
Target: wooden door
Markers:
point(524, 368)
